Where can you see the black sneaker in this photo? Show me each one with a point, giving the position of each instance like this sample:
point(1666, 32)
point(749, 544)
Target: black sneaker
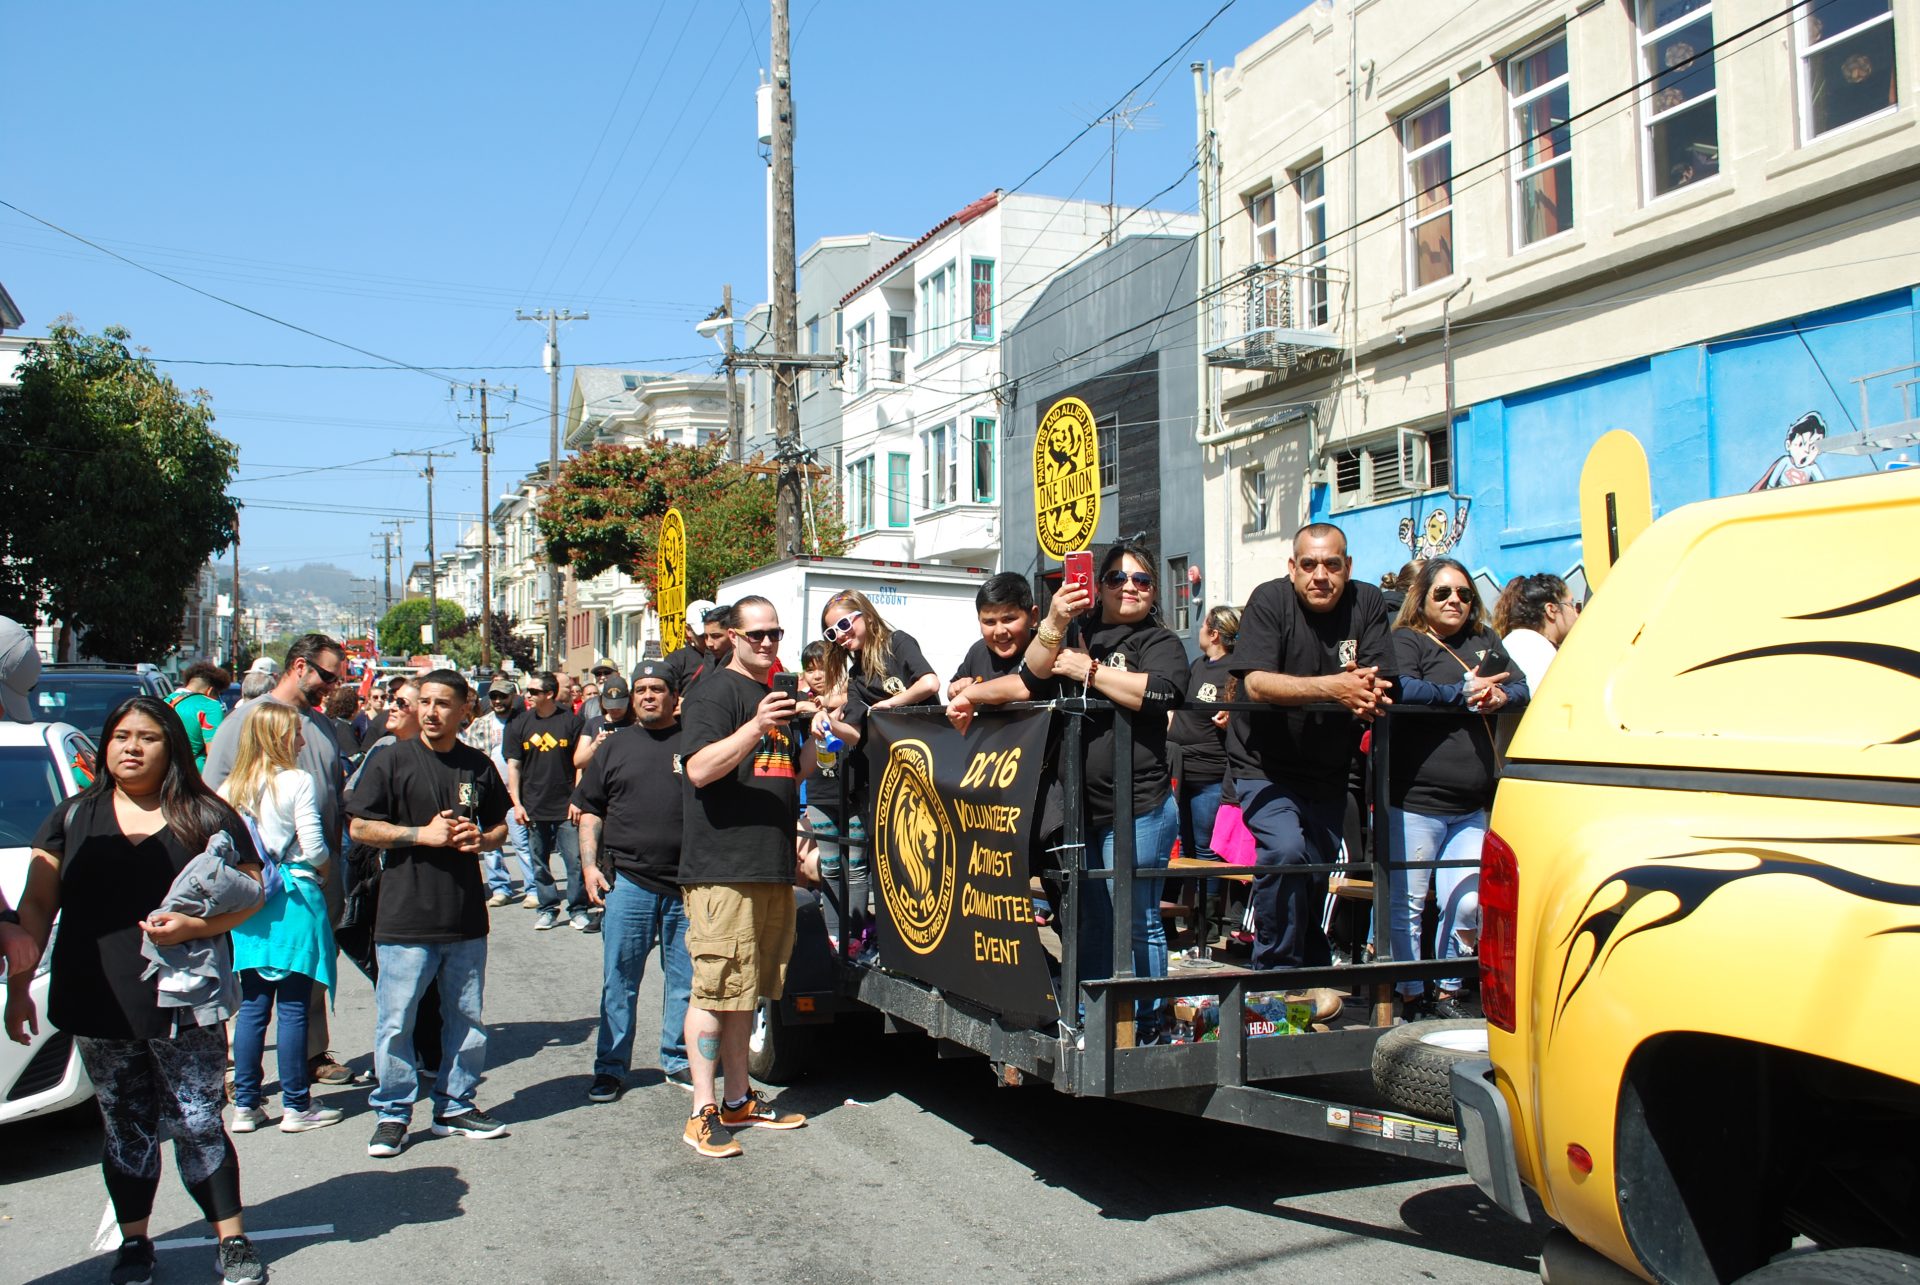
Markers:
point(389, 1139)
point(474, 1123)
point(605, 1088)
point(133, 1265)
point(1455, 1007)
point(239, 1262)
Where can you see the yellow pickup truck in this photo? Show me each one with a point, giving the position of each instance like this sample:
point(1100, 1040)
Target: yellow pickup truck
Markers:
point(1700, 899)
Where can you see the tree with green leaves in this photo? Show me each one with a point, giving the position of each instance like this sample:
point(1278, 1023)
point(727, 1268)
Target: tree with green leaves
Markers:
point(113, 495)
point(400, 627)
point(606, 509)
point(462, 645)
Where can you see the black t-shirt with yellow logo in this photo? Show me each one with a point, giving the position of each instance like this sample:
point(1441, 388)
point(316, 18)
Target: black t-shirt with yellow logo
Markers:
point(543, 747)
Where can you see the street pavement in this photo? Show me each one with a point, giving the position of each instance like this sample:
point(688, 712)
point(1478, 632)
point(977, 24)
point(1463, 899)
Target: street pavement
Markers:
point(913, 1168)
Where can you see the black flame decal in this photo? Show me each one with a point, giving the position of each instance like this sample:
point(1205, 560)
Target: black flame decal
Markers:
point(1693, 886)
point(1901, 660)
point(1911, 589)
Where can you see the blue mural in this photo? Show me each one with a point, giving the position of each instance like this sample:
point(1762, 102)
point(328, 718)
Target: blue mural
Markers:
point(1740, 413)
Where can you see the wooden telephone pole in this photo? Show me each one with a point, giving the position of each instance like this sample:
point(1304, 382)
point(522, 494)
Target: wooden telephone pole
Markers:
point(483, 446)
point(551, 359)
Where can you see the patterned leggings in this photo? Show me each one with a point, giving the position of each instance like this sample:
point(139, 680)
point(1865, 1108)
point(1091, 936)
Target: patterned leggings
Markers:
point(141, 1084)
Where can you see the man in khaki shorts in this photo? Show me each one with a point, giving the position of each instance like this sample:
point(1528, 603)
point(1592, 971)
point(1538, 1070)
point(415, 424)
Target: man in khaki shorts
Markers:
point(736, 870)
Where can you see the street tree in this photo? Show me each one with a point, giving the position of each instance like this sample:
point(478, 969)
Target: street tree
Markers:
point(462, 645)
point(606, 509)
point(114, 494)
point(400, 627)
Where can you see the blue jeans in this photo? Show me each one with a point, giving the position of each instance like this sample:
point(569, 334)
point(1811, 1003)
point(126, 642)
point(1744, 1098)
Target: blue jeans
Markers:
point(258, 999)
point(1418, 836)
point(460, 969)
point(1153, 834)
point(1294, 829)
point(636, 918)
point(542, 838)
point(1199, 809)
point(499, 874)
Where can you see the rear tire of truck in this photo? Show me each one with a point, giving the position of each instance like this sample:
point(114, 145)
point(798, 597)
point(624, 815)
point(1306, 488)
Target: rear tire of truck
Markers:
point(1412, 1064)
point(1839, 1267)
point(777, 1053)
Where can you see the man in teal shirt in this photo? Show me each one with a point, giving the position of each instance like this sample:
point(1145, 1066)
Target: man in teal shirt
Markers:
point(198, 705)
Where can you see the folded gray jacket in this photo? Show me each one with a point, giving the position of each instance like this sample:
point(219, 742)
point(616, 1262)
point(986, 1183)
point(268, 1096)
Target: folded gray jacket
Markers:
point(199, 974)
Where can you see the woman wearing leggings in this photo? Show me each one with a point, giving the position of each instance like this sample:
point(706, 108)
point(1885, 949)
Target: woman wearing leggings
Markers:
point(103, 861)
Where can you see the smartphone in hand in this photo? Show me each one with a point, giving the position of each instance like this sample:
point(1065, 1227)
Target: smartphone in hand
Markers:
point(788, 683)
point(1079, 569)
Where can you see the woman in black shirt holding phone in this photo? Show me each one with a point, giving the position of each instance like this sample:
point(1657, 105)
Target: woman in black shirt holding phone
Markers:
point(1111, 641)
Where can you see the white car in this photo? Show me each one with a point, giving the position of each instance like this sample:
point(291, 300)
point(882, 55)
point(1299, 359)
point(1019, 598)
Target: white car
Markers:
point(41, 765)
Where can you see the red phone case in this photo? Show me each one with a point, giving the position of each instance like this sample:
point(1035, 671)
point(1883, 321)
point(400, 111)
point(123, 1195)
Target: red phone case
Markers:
point(1078, 569)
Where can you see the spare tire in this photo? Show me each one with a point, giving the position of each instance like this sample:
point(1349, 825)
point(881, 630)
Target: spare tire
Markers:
point(1839, 1267)
point(1412, 1064)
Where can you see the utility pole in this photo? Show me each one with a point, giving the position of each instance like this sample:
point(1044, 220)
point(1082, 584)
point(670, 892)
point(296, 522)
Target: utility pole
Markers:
point(396, 550)
point(483, 446)
point(736, 431)
point(235, 621)
point(551, 360)
point(386, 556)
point(433, 568)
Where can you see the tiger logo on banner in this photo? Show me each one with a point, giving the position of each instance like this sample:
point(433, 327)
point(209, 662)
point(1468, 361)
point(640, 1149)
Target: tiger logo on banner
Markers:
point(915, 848)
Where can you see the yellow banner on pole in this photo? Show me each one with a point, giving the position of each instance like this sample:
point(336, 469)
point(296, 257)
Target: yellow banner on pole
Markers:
point(670, 586)
point(1066, 478)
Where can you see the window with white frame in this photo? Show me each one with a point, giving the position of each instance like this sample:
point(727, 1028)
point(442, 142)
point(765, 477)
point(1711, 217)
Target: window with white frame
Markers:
point(1311, 185)
point(899, 479)
point(897, 324)
point(939, 466)
point(1426, 142)
point(1539, 103)
point(1259, 501)
point(1106, 433)
point(1679, 108)
point(1846, 64)
point(1263, 217)
point(860, 494)
point(1371, 473)
point(980, 283)
point(936, 301)
point(986, 461)
point(857, 357)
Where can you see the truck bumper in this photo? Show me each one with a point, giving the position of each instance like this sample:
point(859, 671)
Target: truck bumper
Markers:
point(1486, 1135)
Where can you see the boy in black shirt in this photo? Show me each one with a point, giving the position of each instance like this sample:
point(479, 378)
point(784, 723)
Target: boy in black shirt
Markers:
point(989, 673)
point(629, 799)
point(1316, 638)
point(433, 805)
point(540, 776)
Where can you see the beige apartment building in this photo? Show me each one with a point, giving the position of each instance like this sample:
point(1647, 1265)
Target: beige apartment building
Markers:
point(1693, 219)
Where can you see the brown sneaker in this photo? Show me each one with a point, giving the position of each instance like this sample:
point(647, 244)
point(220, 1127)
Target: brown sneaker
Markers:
point(758, 1113)
point(1326, 1002)
point(705, 1134)
point(324, 1070)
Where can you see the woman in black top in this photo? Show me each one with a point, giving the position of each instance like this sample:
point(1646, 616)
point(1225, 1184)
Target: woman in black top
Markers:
point(1202, 735)
point(1120, 652)
point(1442, 767)
point(103, 862)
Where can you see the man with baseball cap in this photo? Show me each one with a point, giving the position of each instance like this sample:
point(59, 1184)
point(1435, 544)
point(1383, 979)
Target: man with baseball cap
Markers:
point(630, 800)
point(697, 658)
point(602, 670)
point(488, 734)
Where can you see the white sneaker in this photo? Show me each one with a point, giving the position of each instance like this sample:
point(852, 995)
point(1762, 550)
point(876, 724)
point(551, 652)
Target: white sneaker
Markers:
point(311, 1118)
point(247, 1119)
point(498, 899)
point(530, 902)
point(581, 921)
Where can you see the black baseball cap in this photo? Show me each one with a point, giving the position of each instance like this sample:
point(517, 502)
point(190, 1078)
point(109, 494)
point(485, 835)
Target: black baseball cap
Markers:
point(614, 692)
point(654, 669)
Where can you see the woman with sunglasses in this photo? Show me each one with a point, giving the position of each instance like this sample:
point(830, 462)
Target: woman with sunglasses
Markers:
point(1114, 646)
point(1442, 767)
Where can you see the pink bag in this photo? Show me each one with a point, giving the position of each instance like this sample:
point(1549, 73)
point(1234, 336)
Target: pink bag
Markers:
point(1232, 841)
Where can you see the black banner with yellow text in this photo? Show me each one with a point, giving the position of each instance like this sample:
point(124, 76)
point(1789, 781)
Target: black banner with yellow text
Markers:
point(953, 816)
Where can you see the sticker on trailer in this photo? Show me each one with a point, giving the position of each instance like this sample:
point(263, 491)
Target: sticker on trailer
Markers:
point(1339, 1118)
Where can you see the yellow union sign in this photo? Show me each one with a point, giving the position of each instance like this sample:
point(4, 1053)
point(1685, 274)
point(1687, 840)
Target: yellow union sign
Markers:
point(1066, 478)
point(670, 586)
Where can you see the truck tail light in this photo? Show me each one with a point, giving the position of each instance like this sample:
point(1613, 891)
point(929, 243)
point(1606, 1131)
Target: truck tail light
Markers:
point(1499, 924)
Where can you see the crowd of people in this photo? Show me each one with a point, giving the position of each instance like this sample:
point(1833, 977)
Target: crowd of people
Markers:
point(684, 802)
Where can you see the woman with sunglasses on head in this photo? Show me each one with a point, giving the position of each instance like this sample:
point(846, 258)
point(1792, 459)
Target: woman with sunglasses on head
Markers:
point(1533, 616)
point(103, 862)
point(1442, 767)
point(1115, 646)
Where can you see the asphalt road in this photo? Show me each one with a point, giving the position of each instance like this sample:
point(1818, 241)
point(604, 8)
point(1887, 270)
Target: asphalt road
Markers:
point(913, 1168)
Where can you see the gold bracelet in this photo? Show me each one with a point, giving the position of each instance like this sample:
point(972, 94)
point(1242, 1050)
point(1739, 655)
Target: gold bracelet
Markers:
point(1049, 636)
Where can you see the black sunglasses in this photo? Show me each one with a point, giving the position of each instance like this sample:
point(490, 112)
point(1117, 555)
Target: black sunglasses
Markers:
point(1442, 592)
point(326, 675)
point(758, 636)
point(1118, 579)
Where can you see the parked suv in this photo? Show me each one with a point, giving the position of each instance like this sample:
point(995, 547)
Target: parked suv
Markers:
point(83, 693)
point(1700, 901)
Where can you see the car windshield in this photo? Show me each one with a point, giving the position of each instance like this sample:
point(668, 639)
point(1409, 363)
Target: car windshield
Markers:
point(29, 787)
point(84, 700)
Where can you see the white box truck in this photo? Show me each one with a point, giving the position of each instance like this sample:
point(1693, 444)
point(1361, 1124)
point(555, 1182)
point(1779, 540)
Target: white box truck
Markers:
point(933, 603)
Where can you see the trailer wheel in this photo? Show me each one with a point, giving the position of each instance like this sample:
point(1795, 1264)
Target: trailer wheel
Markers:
point(1839, 1267)
point(777, 1052)
point(1412, 1063)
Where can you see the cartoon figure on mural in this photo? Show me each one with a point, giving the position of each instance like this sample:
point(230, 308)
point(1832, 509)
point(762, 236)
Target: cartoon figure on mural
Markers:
point(1433, 537)
point(1801, 462)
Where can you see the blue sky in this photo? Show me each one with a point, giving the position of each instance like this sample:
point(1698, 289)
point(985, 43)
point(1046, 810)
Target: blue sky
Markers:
point(401, 177)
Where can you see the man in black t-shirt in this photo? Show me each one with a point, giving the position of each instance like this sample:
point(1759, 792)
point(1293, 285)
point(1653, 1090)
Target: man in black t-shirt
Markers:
point(539, 745)
point(702, 651)
point(737, 863)
point(630, 804)
point(432, 805)
point(1315, 638)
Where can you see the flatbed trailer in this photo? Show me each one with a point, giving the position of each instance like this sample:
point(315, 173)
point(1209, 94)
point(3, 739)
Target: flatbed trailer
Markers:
point(1090, 1050)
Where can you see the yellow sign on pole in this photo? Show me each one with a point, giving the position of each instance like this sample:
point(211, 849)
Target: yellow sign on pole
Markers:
point(670, 586)
point(1616, 501)
point(1066, 478)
